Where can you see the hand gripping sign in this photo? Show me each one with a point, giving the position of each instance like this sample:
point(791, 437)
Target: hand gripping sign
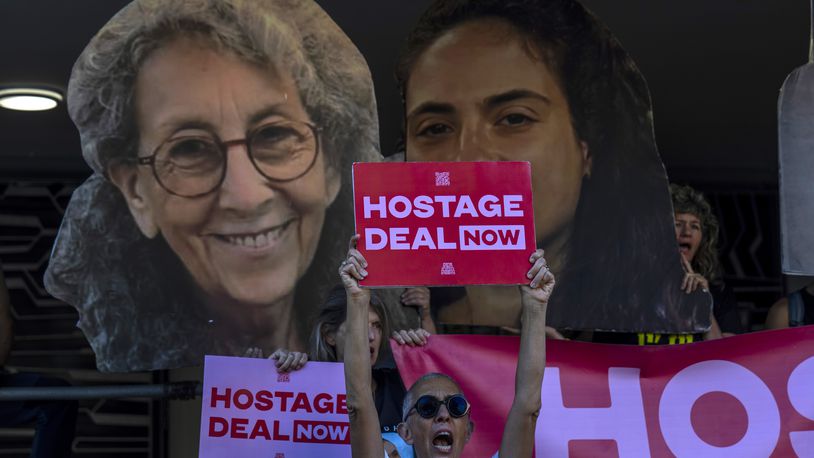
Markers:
point(444, 223)
point(250, 410)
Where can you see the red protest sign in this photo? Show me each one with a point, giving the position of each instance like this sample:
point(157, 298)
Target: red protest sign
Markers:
point(444, 223)
point(249, 409)
point(745, 396)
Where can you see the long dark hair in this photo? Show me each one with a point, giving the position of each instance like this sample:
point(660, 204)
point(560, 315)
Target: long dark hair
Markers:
point(629, 262)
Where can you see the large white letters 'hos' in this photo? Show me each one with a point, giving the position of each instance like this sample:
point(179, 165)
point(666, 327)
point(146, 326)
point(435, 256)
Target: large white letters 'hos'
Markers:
point(623, 421)
point(684, 389)
point(801, 395)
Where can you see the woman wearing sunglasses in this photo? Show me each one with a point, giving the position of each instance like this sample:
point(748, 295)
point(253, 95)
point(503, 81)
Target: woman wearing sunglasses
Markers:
point(436, 417)
point(327, 344)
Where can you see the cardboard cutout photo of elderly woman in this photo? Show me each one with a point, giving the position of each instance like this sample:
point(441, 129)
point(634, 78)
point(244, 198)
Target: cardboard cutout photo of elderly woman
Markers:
point(545, 81)
point(221, 134)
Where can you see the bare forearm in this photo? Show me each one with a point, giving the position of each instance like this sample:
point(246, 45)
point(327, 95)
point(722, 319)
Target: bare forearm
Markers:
point(427, 322)
point(364, 421)
point(357, 359)
point(531, 358)
point(518, 434)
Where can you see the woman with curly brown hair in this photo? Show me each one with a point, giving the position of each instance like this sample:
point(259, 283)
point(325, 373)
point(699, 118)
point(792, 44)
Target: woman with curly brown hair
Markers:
point(697, 235)
point(696, 229)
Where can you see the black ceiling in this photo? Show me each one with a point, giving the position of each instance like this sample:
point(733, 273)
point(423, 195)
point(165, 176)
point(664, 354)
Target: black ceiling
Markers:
point(714, 70)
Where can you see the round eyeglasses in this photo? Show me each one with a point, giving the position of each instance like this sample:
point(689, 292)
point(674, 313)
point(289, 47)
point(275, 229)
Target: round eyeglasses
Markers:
point(427, 406)
point(195, 165)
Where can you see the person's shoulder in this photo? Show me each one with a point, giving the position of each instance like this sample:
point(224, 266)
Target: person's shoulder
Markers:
point(778, 316)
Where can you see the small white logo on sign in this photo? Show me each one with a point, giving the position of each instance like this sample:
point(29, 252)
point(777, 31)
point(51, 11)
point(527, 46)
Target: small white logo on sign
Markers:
point(442, 178)
point(447, 268)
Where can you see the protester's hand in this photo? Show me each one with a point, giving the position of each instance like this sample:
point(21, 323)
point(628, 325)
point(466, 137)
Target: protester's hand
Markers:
point(253, 352)
point(542, 281)
point(287, 361)
point(352, 270)
point(692, 280)
point(552, 333)
point(418, 297)
point(412, 337)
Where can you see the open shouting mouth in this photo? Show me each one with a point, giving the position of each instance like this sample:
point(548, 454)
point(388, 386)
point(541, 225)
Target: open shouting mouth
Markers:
point(443, 441)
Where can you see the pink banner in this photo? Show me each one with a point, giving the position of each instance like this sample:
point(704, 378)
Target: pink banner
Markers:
point(747, 396)
point(251, 410)
point(442, 223)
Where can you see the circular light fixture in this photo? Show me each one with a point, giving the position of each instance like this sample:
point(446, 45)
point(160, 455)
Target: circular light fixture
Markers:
point(29, 99)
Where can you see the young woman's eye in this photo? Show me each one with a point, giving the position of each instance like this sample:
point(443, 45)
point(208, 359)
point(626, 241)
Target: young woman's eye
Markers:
point(515, 119)
point(434, 130)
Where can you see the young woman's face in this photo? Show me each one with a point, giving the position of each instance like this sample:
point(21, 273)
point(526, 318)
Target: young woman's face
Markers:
point(251, 239)
point(479, 93)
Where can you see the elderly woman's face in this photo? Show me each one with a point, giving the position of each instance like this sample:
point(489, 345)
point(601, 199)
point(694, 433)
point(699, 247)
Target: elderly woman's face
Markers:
point(476, 94)
point(251, 239)
point(442, 435)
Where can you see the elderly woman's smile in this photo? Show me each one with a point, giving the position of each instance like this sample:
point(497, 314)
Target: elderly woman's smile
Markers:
point(255, 242)
point(246, 238)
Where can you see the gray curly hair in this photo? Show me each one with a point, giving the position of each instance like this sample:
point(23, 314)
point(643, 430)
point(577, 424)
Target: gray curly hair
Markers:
point(101, 263)
point(297, 36)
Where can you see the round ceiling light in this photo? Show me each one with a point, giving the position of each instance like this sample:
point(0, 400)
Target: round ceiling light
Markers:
point(29, 99)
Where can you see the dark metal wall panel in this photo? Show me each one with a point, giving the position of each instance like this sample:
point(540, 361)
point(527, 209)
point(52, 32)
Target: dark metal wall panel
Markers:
point(749, 246)
point(46, 339)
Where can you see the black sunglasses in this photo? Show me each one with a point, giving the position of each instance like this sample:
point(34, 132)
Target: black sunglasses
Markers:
point(427, 406)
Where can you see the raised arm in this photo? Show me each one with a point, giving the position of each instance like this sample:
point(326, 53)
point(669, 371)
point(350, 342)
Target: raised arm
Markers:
point(365, 436)
point(5, 321)
point(518, 434)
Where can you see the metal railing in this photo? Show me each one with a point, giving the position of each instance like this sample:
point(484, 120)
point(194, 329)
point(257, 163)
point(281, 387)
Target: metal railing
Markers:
point(175, 390)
